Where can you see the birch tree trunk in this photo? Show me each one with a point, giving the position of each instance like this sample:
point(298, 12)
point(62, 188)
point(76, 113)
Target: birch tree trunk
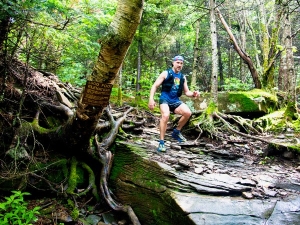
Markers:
point(242, 22)
point(214, 48)
point(95, 97)
point(195, 61)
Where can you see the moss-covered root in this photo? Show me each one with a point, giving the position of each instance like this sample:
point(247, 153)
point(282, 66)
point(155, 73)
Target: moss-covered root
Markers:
point(73, 179)
point(92, 183)
point(231, 129)
point(205, 122)
point(72, 182)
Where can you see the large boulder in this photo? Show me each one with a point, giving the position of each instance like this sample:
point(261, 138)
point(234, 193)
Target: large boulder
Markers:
point(160, 193)
point(254, 101)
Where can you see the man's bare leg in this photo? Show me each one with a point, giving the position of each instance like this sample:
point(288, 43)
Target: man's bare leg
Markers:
point(165, 114)
point(185, 113)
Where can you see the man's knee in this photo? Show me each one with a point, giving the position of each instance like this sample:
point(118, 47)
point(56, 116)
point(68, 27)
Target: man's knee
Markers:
point(165, 117)
point(187, 113)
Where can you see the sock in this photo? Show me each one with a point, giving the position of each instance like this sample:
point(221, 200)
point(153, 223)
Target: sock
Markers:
point(161, 141)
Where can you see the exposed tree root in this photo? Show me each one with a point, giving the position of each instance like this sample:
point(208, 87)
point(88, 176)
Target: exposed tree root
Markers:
point(242, 122)
point(217, 122)
point(106, 158)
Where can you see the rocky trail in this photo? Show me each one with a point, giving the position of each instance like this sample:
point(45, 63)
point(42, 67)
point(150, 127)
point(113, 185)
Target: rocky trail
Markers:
point(224, 182)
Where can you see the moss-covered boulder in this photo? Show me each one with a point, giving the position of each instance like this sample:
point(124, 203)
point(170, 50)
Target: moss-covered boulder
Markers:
point(254, 101)
point(142, 183)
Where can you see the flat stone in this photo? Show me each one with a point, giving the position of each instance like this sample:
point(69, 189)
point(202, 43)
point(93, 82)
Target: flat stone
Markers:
point(265, 180)
point(172, 160)
point(247, 182)
point(247, 195)
point(63, 99)
point(184, 163)
point(215, 210)
point(222, 153)
point(209, 145)
point(176, 147)
point(177, 167)
point(270, 192)
point(199, 170)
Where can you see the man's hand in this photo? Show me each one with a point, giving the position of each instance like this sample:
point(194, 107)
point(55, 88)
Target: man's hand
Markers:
point(151, 104)
point(196, 93)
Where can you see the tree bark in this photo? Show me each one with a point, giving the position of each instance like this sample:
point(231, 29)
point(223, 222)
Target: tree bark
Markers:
point(291, 81)
point(283, 75)
point(4, 28)
point(114, 47)
point(269, 44)
point(195, 61)
point(242, 23)
point(220, 64)
point(214, 46)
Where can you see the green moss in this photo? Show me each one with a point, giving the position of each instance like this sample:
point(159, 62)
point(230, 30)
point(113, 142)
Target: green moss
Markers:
point(245, 103)
point(53, 122)
point(296, 148)
point(290, 111)
point(120, 95)
point(38, 128)
point(124, 160)
point(92, 181)
point(75, 213)
point(296, 125)
point(74, 210)
point(254, 100)
point(73, 176)
point(212, 107)
point(274, 122)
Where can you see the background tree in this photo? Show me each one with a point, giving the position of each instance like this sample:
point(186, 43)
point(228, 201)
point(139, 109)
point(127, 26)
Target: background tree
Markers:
point(195, 58)
point(214, 40)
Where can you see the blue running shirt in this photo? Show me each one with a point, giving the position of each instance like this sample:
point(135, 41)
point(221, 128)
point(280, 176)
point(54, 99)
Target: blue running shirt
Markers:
point(171, 97)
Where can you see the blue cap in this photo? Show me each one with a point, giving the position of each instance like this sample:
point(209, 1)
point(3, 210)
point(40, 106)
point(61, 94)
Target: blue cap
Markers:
point(178, 57)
